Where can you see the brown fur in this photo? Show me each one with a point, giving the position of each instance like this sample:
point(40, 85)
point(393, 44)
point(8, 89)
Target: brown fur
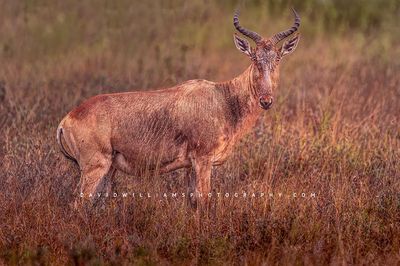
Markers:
point(194, 124)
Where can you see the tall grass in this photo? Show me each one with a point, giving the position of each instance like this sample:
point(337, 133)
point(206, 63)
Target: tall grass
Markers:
point(334, 131)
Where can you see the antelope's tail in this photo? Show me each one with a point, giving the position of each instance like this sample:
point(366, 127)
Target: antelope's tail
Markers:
point(62, 148)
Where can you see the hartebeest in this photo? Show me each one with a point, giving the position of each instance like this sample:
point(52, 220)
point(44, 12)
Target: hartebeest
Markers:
point(194, 124)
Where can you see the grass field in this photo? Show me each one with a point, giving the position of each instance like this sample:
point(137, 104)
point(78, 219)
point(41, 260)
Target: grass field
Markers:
point(332, 134)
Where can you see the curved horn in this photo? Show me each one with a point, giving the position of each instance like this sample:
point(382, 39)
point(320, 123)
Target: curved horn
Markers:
point(283, 34)
point(251, 34)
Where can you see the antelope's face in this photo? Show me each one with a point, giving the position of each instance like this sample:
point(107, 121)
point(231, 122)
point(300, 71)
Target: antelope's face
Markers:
point(266, 57)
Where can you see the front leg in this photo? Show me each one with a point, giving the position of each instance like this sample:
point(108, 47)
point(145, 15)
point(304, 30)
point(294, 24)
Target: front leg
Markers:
point(200, 182)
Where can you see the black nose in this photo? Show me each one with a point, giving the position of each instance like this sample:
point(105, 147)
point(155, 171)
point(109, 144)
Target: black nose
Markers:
point(266, 103)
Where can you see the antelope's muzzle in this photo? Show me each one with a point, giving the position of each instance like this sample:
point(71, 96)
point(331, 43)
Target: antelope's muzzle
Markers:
point(266, 102)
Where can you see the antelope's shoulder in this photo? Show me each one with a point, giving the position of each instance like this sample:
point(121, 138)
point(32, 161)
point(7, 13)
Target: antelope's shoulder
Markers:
point(196, 84)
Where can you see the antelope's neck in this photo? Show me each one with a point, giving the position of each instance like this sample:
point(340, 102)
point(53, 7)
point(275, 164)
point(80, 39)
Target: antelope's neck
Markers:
point(248, 84)
point(241, 94)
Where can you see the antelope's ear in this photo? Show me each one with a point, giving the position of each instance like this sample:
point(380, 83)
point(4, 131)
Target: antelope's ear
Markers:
point(290, 45)
point(242, 44)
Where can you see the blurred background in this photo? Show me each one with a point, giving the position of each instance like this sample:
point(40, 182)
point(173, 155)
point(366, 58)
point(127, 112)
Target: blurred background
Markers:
point(333, 130)
point(167, 41)
point(125, 45)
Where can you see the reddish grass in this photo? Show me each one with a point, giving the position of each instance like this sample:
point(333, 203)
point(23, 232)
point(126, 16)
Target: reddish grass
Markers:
point(333, 131)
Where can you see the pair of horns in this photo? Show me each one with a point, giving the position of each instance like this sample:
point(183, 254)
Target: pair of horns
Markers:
point(274, 39)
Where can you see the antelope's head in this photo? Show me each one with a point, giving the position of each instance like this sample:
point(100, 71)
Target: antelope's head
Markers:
point(266, 56)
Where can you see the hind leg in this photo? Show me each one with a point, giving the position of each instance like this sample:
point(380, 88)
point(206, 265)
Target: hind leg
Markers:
point(94, 173)
point(110, 182)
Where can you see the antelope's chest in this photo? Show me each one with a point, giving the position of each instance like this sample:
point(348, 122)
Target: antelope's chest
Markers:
point(230, 138)
point(225, 146)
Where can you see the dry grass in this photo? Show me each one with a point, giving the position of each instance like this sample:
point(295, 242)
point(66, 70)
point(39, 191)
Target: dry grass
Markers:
point(333, 131)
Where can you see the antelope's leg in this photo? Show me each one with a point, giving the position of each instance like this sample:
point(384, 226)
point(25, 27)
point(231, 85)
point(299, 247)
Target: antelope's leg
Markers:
point(202, 180)
point(93, 176)
point(191, 187)
point(109, 180)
